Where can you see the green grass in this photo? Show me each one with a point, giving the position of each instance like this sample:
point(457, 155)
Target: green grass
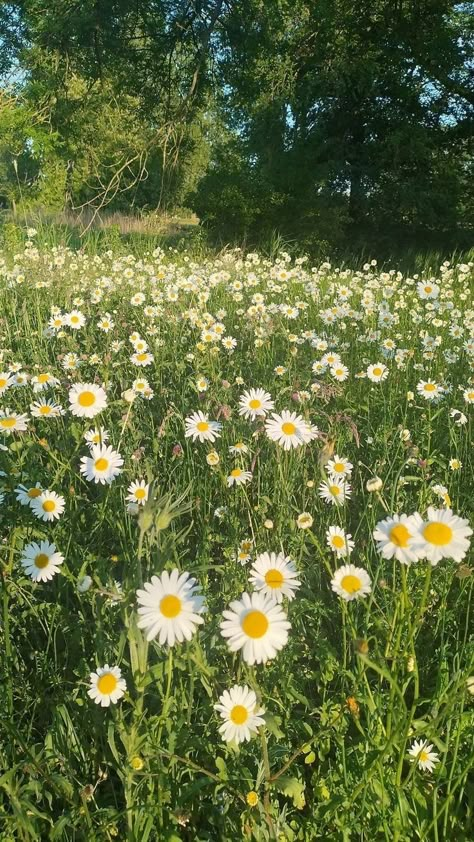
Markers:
point(357, 682)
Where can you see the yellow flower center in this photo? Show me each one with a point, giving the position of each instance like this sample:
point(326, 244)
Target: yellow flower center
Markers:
point(288, 428)
point(86, 398)
point(45, 410)
point(423, 756)
point(253, 404)
point(101, 464)
point(377, 371)
point(49, 506)
point(202, 426)
point(428, 289)
point(400, 535)
point(335, 490)
point(43, 378)
point(141, 357)
point(34, 492)
point(239, 714)
point(255, 624)
point(438, 534)
point(236, 472)
point(170, 606)
point(338, 542)
point(7, 423)
point(351, 584)
point(107, 683)
point(430, 387)
point(3, 382)
point(338, 468)
point(41, 560)
point(140, 493)
point(274, 578)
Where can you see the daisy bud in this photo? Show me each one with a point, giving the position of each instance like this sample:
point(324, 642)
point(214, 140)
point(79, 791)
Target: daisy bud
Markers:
point(129, 395)
point(374, 484)
point(268, 524)
point(411, 664)
point(84, 584)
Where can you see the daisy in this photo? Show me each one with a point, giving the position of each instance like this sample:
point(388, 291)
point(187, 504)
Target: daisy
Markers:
point(75, 319)
point(395, 538)
point(11, 422)
point(199, 427)
point(340, 372)
point(103, 465)
point(96, 436)
point(350, 582)
point(339, 467)
point(241, 713)
point(106, 686)
point(275, 576)
point(141, 386)
point(46, 409)
point(339, 541)
point(429, 390)
point(468, 395)
point(43, 381)
point(238, 477)
point(257, 625)
point(25, 495)
point(288, 429)
point(422, 753)
point(138, 492)
point(106, 323)
point(143, 358)
point(304, 520)
point(254, 403)
point(243, 554)
point(238, 447)
point(378, 372)
point(427, 289)
point(442, 535)
point(170, 607)
point(48, 506)
point(87, 399)
point(335, 492)
point(41, 561)
point(6, 380)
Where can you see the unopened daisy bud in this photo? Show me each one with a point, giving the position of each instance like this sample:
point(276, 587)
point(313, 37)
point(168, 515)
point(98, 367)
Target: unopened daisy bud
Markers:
point(470, 684)
point(304, 521)
point(374, 484)
point(411, 664)
point(137, 763)
point(212, 458)
point(410, 396)
point(310, 483)
point(129, 395)
point(405, 435)
point(268, 524)
point(252, 798)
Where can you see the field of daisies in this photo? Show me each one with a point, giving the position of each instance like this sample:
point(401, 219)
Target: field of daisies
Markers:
point(236, 566)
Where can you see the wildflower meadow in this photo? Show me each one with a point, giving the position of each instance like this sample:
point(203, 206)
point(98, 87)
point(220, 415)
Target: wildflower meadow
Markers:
point(236, 565)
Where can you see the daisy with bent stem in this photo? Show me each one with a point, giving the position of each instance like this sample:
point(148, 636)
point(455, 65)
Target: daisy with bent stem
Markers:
point(41, 561)
point(241, 713)
point(170, 607)
point(199, 427)
point(275, 576)
point(106, 686)
point(257, 625)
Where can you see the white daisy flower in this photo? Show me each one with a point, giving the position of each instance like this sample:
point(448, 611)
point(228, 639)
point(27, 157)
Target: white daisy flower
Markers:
point(429, 390)
point(87, 399)
point(275, 576)
point(288, 429)
point(48, 506)
point(395, 538)
point(238, 477)
point(6, 380)
point(12, 422)
point(339, 467)
point(106, 686)
point(75, 319)
point(468, 395)
point(340, 372)
point(238, 447)
point(142, 359)
point(424, 755)
point(241, 713)
point(103, 465)
point(335, 492)
point(138, 492)
point(170, 607)
point(46, 409)
point(442, 535)
point(377, 372)
point(26, 494)
point(96, 436)
point(255, 403)
point(339, 541)
point(350, 582)
point(43, 381)
point(199, 427)
point(41, 561)
point(257, 625)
